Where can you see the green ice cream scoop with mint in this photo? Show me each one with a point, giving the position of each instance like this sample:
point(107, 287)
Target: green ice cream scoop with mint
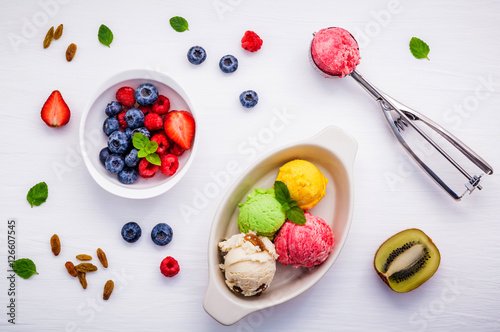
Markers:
point(261, 213)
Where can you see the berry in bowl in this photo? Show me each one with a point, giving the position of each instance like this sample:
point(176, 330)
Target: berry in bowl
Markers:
point(137, 134)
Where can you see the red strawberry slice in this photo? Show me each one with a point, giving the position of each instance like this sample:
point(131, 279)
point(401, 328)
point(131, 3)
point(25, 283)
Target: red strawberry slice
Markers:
point(55, 111)
point(180, 127)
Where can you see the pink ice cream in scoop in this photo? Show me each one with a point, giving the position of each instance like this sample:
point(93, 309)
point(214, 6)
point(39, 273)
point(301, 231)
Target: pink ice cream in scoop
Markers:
point(335, 51)
point(304, 245)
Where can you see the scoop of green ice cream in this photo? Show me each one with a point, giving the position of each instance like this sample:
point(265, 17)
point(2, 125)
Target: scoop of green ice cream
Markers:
point(261, 213)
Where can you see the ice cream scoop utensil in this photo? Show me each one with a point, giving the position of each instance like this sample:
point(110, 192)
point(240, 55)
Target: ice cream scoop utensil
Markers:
point(335, 54)
point(405, 117)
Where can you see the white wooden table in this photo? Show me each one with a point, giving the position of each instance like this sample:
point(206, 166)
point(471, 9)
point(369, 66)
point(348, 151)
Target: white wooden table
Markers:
point(459, 88)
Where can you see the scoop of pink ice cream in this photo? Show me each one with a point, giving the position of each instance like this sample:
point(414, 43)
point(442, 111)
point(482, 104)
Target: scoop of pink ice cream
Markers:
point(335, 51)
point(304, 245)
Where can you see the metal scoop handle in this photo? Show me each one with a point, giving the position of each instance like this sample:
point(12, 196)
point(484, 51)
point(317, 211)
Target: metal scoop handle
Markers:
point(408, 117)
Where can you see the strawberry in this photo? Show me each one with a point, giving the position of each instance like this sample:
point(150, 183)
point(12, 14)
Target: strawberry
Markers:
point(180, 127)
point(55, 111)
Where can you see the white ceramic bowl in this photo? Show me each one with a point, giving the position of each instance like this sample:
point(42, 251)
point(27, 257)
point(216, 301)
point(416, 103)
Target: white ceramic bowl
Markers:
point(333, 152)
point(92, 138)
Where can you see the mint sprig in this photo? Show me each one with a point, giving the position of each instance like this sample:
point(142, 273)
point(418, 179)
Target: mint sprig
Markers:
point(147, 149)
point(179, 24)
point(419, 48)
point(24, 267)
point(293, 213)
point(105, 35)
point(38, 194)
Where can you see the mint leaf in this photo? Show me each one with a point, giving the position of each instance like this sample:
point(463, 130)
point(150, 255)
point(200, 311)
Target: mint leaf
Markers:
point(419, 48)
point(281, 192)
point(154, 158)
point(151, 147)
point(105, 35)
point(293, 213)
point(24, 268)
point(140, 141)
point(179, 24)
point(147, 149)
point(296, 215)
point(38, 194)
point(142, 153)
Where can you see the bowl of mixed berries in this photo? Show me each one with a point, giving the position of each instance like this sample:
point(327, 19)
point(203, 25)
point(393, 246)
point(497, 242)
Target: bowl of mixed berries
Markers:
point(138, 134)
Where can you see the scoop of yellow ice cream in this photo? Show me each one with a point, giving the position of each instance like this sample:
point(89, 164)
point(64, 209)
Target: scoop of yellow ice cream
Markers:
point(304, 181)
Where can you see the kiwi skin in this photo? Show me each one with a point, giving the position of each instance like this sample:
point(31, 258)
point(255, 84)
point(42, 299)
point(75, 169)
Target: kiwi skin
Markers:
point(395, 242)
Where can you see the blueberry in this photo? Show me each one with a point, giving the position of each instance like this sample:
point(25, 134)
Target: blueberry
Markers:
point(131, 232)
point(249, 98)
point(113, 108)
point(161, 234)
point(128, 175)
point(134, 118)
point(146, 94)
point(114, 163)
point(103, 154)
point(196, 55)
point(118, 142)
point(228, 63)
point(128, 132)
point(142, 130)
point(131, 159)
point(110, 125)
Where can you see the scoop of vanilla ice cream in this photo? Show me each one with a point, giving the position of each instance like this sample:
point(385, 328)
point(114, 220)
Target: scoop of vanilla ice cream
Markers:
point(249, 263)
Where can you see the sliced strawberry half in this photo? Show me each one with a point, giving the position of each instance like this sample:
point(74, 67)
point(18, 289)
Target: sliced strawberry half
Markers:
point(180, 127)
point(55, 111)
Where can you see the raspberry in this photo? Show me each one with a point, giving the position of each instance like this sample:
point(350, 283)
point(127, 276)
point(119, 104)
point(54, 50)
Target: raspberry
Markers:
point(153, 121)
point(169, 164)
point(169, 267)
point(162, 141)
point(145, 109)
point(162, 105)
point(146, 169)
point(125, 96)
point(176, 150)
point(121, 119)
point(251, 41)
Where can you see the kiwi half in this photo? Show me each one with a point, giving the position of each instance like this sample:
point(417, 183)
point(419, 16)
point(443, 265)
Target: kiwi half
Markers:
point(406, 260)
